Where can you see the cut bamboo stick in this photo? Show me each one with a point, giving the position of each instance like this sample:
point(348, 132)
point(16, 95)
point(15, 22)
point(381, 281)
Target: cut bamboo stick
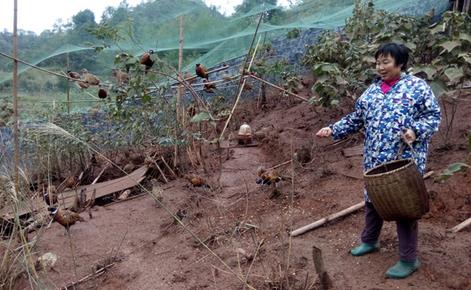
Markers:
point(242, 79)
point(179, 110)
point(428, 174)
point(99, 174)
point(160, 170)
point(460, 226)
point(168, 167)
point(326, 219)
point(277, 87)
point(279, 165)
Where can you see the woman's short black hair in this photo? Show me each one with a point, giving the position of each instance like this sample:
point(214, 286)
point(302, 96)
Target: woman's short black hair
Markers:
point(399, 52)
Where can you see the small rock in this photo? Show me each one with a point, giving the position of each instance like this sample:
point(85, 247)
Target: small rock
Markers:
point(46, 261)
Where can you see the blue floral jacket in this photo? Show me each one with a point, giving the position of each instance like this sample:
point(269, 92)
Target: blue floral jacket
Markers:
point(410, 103)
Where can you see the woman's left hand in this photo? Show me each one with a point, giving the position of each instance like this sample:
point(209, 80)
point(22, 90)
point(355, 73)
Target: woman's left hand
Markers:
point(408, 135)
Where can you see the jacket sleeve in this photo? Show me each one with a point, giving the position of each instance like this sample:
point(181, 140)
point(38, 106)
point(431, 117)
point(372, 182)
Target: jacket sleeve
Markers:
point(349, 124)
point(428, 119)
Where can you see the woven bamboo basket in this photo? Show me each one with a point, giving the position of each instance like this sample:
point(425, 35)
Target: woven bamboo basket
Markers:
point(397, 190)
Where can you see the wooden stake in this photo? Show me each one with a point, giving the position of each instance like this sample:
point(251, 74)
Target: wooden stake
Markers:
point(325, 282)
point(326, 219)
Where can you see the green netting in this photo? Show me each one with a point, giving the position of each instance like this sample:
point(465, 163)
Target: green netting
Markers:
point(210, 38)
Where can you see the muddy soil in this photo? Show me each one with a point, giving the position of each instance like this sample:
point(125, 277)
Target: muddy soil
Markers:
point(246, 231)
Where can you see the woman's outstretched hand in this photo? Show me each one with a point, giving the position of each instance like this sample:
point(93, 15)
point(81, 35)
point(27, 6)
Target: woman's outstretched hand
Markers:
point(324, 132)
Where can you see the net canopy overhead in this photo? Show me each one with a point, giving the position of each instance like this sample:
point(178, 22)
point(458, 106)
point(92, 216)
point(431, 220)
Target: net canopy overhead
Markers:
point(210, 38)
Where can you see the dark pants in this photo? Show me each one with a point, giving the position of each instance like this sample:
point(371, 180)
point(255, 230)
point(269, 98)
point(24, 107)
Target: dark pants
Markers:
point(406, 232)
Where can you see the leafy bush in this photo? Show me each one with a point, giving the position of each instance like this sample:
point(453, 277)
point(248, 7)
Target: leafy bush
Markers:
point(343, 61)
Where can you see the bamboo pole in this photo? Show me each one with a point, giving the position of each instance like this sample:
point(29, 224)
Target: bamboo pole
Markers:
point(277, 87)
point(460, 226)
point(15, 58)
point(179, 111)
point(15, 100)
point(68, 86)
point(168, 167)
point(88, 277)
point(224, 67)
point(16, 198)
point(281, 164)
point(242, 79)
point(160, 170)
point(467, 6)
point(324, 220)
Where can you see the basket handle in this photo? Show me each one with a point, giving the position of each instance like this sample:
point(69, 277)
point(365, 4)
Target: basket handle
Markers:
point(401, 148)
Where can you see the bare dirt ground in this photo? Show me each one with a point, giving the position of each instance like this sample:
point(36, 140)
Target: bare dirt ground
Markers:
point(248, 231)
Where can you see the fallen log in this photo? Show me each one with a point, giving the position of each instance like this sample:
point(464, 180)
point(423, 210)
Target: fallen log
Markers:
point(460, 226)
point(326, 219)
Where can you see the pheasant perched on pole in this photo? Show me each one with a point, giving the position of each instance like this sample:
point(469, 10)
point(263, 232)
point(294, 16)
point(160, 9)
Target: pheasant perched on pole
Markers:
point(147, 60)
point(201, 71)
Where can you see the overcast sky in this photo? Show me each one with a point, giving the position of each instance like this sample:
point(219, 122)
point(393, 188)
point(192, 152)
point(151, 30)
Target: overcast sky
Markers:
point(39, 15)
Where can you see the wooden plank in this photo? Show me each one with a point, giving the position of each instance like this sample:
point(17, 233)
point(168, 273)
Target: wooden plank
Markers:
point(25, 207)
point(67, 198)
point(105, 188)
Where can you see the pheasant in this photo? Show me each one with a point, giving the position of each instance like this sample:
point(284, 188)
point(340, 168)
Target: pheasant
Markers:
point(147, 60)
point(89, 78)
point(102, 93)
point(201, 71)
point(196, 181)
point(267, 176)
point(64, 217)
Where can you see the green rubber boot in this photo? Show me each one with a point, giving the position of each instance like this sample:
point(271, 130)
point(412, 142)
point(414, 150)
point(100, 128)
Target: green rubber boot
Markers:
point(364, 249)
point(402, 269)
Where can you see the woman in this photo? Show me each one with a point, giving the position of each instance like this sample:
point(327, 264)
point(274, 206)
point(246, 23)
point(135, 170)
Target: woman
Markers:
point(394, 107)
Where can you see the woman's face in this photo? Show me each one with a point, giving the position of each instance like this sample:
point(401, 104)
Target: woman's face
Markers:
point(387, 68)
